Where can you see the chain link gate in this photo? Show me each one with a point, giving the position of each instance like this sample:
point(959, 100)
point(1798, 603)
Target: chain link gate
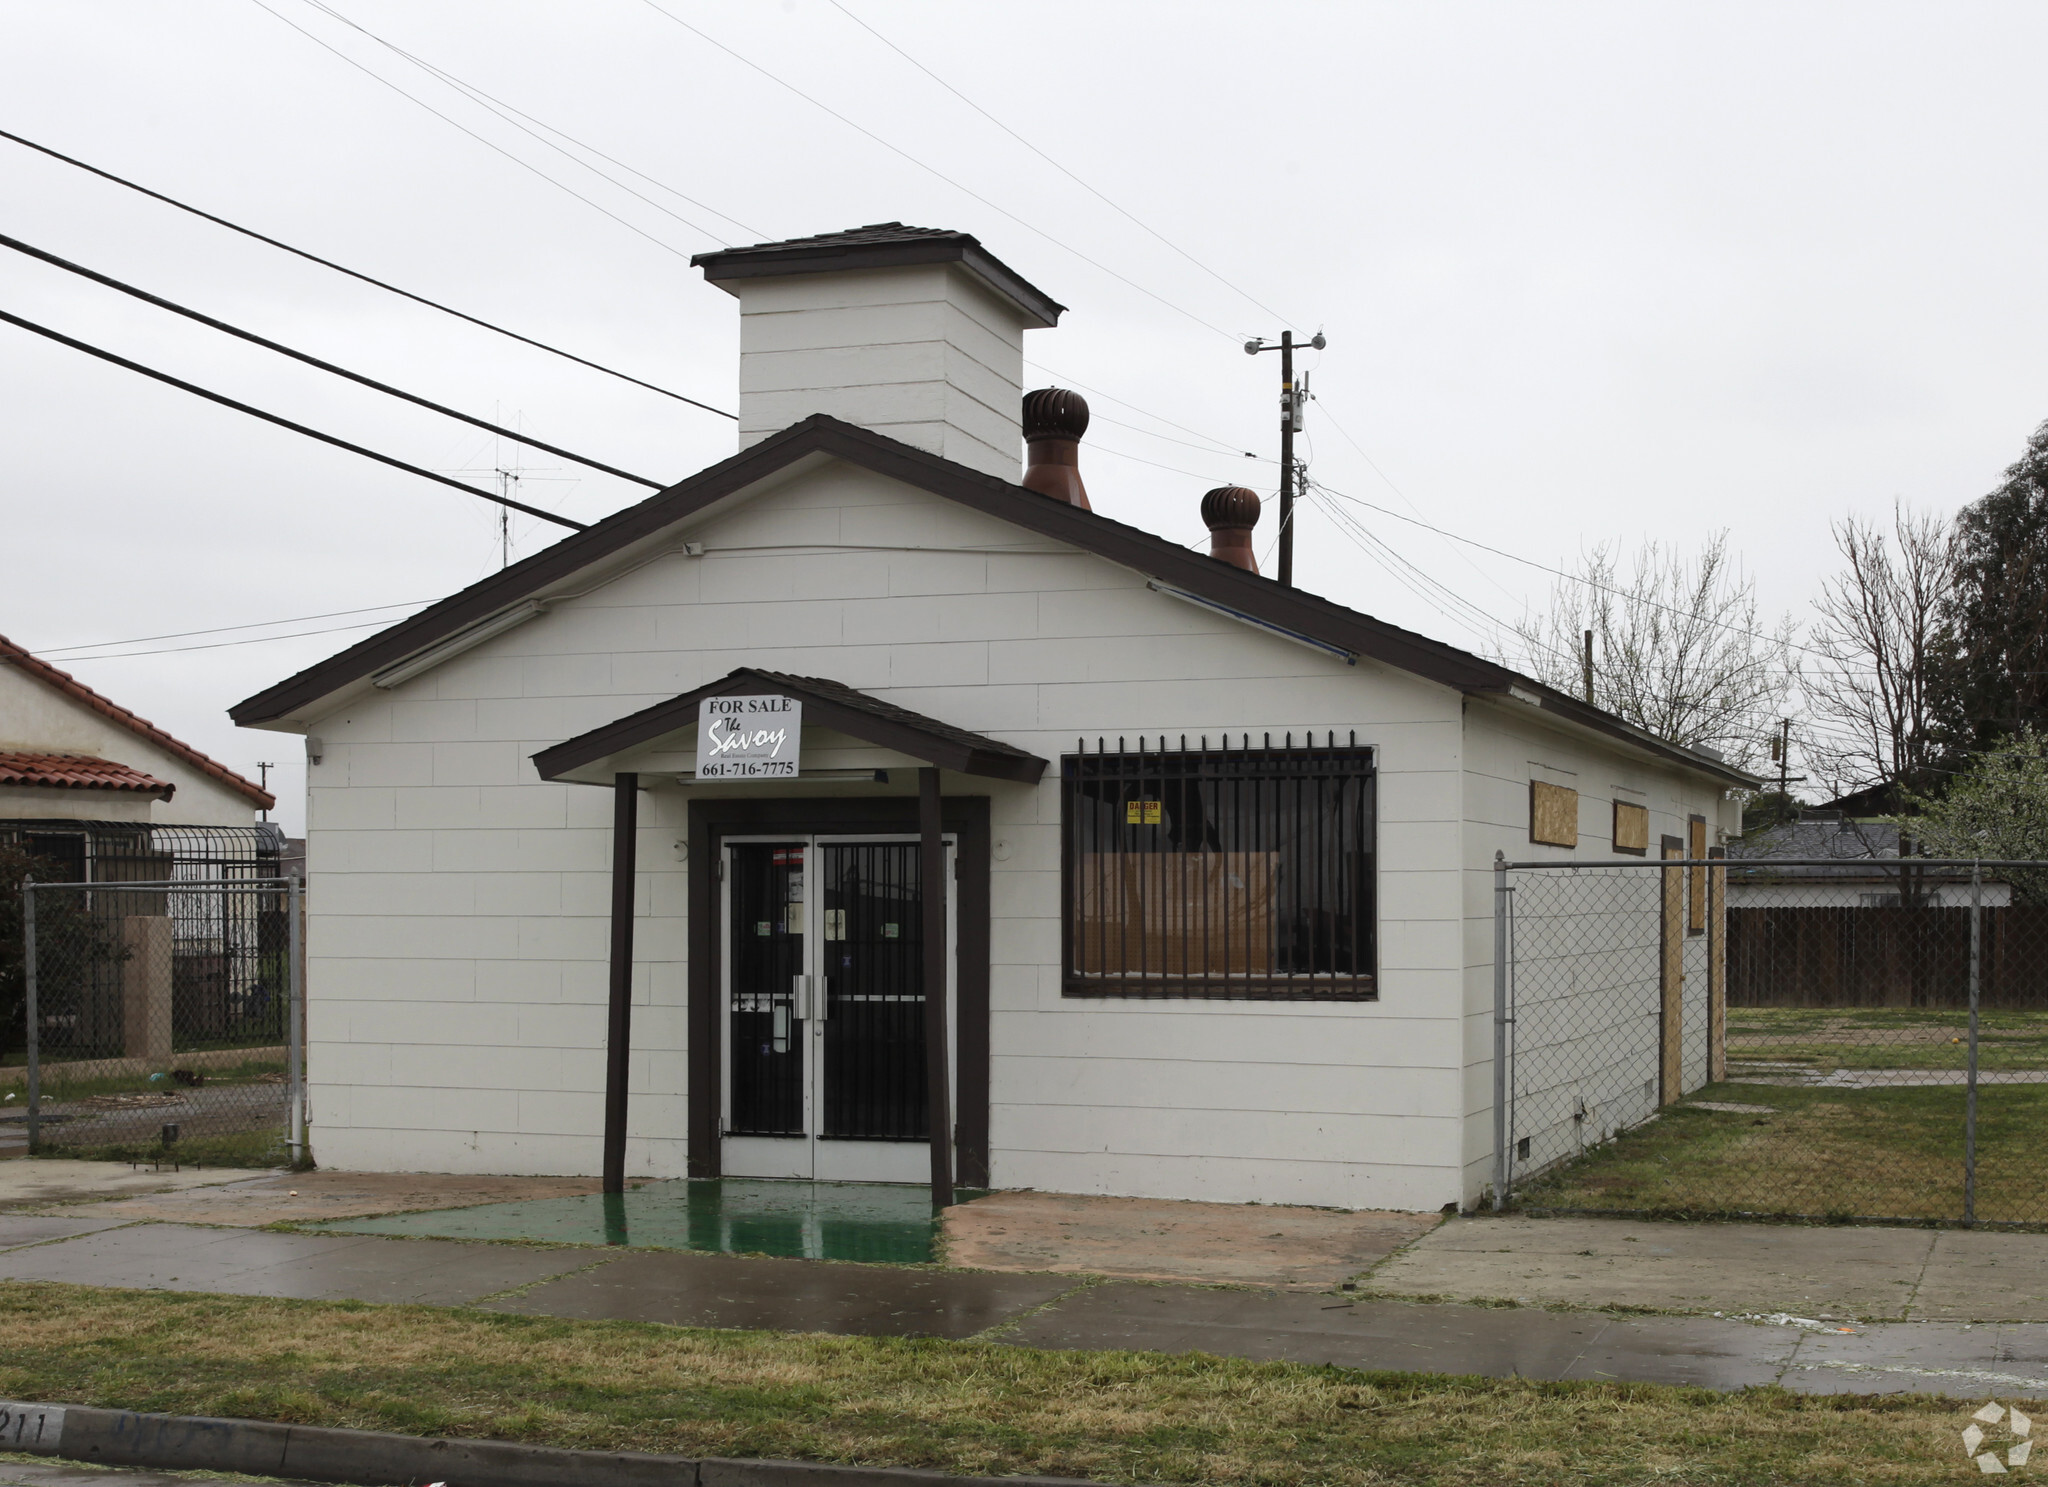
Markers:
point(164, 1021)
point(1829, 1038)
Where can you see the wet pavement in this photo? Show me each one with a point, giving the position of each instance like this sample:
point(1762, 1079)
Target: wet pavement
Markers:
point(1498, 1342)
point(864, 1222)
point(1863, 1272)
point(249, 1200)
point(239, 1262)
point(790, 1296)
point(39, 1181)
point(1041, 1310)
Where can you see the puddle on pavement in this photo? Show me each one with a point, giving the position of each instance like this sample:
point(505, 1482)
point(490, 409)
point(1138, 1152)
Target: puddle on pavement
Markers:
point(797, 1220)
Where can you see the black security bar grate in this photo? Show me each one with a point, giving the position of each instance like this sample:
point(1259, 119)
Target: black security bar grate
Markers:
point(1234, 871)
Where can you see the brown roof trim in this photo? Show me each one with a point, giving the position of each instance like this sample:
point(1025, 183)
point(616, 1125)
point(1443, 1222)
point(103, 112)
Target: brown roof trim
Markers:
point(886, 245)
point(1090, 531)
point(830, 703)
point(64, 682)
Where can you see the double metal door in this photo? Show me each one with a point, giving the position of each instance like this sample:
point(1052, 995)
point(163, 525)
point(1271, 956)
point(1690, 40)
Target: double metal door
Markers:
point(825, 1009)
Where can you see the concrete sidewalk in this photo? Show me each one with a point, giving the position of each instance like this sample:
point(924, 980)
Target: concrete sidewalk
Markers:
point(1824, 1271)
point(1035, 1310)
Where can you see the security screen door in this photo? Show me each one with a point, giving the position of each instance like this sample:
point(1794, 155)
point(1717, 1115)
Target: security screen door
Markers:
point(825, 1010)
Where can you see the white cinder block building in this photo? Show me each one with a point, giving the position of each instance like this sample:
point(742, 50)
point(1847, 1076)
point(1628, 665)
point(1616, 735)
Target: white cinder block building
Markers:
point(1216, 919)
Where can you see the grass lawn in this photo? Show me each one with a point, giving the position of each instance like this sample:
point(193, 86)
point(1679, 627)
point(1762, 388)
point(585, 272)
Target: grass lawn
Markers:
point(963, 1407)
point(1829, 1038)
point(1864, 1153)
point(265, 1148)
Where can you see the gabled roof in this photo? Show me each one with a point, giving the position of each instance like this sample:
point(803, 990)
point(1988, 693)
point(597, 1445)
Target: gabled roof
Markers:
point(831, 704)
point(1260, 599)
point(880, 245)
point(62, 681)
point(79, 772)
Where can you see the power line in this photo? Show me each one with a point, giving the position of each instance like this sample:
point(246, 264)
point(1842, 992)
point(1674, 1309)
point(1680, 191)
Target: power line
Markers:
point(504, 110)
point(328, 263)
point(57, 651)
point(1388, 481)
point(224, 644)
point(312, 361)
point(1147, 413)
point(1462, 613)
point(1034, 149)
point(1185, 443)
point(1560, 573)
point(297, 428)
point(488, 144)
point(935, 171)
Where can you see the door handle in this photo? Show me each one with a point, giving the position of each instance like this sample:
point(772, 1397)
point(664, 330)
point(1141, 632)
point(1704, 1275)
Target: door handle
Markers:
point(800, 996)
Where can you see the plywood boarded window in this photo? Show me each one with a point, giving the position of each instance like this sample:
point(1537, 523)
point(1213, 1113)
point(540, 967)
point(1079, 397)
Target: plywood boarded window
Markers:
point(1241, 872)
point(1553, 814)
point(1631, 828)
point(1696, 887)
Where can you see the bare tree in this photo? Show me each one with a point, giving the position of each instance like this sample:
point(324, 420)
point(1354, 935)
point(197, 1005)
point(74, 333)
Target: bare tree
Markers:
point(1874, 694)
point(1679, 648)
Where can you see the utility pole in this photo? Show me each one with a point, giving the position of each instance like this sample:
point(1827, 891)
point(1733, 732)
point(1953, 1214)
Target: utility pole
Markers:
point(263, 769)
point(1589, 666)
point(1784, 760)
point(1292, 399)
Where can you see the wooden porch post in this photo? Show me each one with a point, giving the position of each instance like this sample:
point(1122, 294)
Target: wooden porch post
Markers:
point(618, 1045)
point(932, 887)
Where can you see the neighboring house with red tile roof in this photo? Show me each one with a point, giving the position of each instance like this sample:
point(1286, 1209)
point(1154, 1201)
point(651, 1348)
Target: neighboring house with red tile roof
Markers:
point(69, 754)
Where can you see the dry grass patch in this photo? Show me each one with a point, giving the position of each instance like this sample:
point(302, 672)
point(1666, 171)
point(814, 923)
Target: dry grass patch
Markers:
point(962, 1407)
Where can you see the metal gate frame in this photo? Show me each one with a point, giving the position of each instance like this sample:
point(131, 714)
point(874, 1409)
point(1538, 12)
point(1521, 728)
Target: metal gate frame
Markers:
point(295, 1062)
point(1715, 867)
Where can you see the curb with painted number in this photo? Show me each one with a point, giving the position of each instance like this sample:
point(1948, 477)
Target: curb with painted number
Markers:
point(375, 1458)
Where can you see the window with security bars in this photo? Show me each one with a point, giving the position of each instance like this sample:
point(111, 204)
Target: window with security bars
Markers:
point(1239, 872)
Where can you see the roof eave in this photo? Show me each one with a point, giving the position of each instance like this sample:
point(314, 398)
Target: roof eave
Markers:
point(1563, 707)
point(1131, 547)
point(636, 730)
point(741, 263)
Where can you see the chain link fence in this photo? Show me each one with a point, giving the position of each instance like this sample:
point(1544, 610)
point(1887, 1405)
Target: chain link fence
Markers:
point(1835, 1039)
point(164, 1021)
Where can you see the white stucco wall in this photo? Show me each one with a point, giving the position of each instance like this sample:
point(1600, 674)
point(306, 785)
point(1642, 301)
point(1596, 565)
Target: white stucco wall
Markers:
point(37, 717)
point(459, 932)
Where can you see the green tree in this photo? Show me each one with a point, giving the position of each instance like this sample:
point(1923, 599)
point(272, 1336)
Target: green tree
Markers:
point(1996, 618)
point(1998, 808)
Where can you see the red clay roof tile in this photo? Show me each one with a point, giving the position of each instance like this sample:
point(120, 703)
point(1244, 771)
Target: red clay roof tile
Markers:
point(78, 772)
point(62, 681)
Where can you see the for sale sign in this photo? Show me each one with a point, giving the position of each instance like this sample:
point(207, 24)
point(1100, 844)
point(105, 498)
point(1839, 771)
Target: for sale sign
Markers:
point(748, 738)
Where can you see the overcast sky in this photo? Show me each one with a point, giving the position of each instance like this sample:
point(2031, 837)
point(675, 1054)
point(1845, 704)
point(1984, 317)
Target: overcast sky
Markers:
point(1589, 272)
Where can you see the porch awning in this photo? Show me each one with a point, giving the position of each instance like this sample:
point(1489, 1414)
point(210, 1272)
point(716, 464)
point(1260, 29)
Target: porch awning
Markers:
point(827, 704)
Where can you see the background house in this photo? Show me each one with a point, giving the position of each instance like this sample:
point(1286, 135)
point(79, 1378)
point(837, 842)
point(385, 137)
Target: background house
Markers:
point(67, 753)
point(101, 795)
point(1219, 890)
